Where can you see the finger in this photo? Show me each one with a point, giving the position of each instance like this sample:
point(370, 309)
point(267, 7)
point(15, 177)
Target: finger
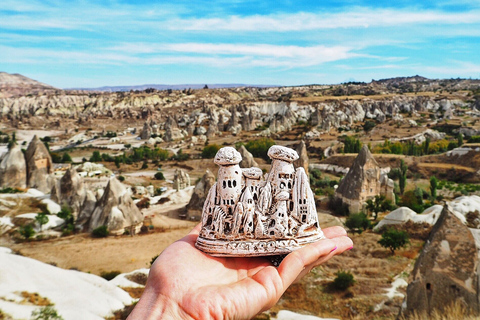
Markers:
point(333, 232)
point(196, 229)
point(295, 262)
point(342, 244)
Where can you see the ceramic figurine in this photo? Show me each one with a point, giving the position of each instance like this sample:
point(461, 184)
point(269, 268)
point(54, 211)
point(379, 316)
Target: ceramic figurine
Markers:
point(246, 215)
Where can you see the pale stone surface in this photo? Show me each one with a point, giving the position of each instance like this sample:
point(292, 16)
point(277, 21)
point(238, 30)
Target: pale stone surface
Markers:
point(364, 181)
point(245, 216)
point(13, 169)
point(446, 270)
point(116, 210)
point(247, 158)
point(39, 165)
point(302, 160)
point(181, 180)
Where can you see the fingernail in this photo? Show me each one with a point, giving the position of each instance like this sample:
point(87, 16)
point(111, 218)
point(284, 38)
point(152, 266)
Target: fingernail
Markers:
point(334, 249)
point(349, 248)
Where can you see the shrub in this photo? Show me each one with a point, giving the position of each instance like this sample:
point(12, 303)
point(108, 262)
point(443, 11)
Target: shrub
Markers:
point(159, 176)
point(337, 206)
point(394, 239)
point(210, 151)
point(46, 313)
point(66, 158)
point(121, 178)
point(259, 148)
point(358, 222)
point(27, 231)
point(41, 219)
point(109, 275)
point(100, 232)
point(343, 280)
point(369, 125)
point(95, 157)
point(10, 190)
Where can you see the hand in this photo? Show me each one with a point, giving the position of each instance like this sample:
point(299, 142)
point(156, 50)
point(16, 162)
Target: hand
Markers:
point(185, 283)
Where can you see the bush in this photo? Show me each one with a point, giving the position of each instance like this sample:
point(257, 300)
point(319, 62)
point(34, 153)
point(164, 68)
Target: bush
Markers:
point(100, 232)
point(109, 275)
point(27, 231)
point(394, 239)
point(10, 190)
point(337, 206)
point(69, 226)
point(180, 156)
point(210, 151)
point(369, 125)
point(259, 148)
point(159, 176)
point(95, 157)
point(343, 280)
point(46, 313)
point(66, 158)
point(358, 222)
point(121, 178)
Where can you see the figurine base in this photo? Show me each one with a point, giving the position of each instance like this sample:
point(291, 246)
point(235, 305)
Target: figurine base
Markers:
point(254, 247)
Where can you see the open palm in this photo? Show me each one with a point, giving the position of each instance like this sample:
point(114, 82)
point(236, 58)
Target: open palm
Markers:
point(186, 283)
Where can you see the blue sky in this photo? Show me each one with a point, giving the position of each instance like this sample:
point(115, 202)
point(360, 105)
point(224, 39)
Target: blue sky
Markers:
point(95, 43)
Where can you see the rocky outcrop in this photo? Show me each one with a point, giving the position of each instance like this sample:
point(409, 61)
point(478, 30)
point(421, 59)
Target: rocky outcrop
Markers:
point(194, 207)
point(39, 166)
point(447, 269)
point(302, 160)
point(181, 180)
point(116, 210)
point(146, 131)
point(70, 191)
point(361, 182)
point(247, 158)
point(13, 169)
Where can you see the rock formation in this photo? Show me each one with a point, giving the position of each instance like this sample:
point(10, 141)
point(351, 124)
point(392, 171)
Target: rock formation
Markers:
point(302, 156)
point(13, 169)
point(116, 210)
point(71, 191)
point(146, 131)
point(181, 180)
point(247, 158)
point(362, 182)
point(447, 269)
point(199, 196)
point(39, 165)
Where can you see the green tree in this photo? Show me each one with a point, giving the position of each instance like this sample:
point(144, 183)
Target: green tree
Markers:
point(66, 158)
point(27, 231)
point(460, 139)
point(358, 222)
point(66, 214)
point(376, 205)
point(426, 146)
point(42, 219)
point(368, 125)
point(96, 156)
point(343, 280)
point(210, 151)
point(394, 239)
point(433, 187)
point(159, 176)
point(402, 182)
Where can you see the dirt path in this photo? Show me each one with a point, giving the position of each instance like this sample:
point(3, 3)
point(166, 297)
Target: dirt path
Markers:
point(446, 166)
point(122, 253)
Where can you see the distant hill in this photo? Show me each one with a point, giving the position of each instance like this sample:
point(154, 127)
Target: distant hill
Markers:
point(18, 85)
point(171, 86)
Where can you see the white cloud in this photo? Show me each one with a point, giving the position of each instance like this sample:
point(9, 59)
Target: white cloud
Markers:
point(359, 18)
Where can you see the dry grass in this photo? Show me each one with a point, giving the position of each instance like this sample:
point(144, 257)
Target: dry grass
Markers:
point(135, 293)
point(455, 311)
point(374, 269)
point(446, 166)
point(35, 299)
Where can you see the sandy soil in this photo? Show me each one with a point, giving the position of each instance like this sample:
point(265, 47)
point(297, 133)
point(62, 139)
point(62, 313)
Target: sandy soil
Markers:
point(122, 253)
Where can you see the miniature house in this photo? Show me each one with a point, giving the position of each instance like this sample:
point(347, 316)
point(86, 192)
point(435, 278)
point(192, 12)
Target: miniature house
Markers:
point(245, 215)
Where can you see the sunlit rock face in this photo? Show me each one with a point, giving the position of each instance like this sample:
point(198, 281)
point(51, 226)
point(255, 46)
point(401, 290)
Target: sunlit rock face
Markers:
point(39, 166)
point(447, 269)
point(246, 216)
point(13, 169)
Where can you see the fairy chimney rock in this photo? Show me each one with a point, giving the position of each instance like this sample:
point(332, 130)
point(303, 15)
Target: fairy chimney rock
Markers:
point(39, 165)
point(13, 169)
point(181, 180)
point(361, 183)
point(302, 157)
point(70, 191)
point(247, 158)
point(116, 210)
point(199, 196)
point(447, 269)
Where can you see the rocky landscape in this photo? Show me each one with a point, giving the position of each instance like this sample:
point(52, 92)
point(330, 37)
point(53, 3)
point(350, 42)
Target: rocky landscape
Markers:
point(103, 181)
